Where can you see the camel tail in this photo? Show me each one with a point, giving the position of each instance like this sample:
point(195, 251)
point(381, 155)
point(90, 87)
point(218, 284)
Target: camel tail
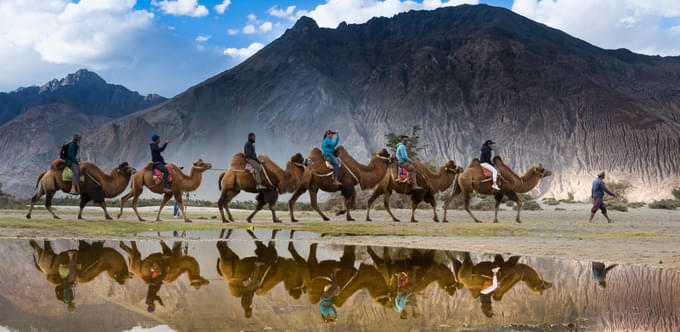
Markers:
point(37, 183)
point(219, 182)
point(456, 187)
point(219, 271)
point(35, 263)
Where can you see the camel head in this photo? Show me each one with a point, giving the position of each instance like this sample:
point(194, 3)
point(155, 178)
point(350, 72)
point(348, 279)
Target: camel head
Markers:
point(383, 154)
point(121, 277)
point(198, 282)
point(126, 170)
point(201, 166)
point(451, 166)
point(539, 286)
point(540, 171)
point(300, 161)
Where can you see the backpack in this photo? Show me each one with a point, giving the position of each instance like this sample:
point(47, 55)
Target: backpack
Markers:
point(64, 151)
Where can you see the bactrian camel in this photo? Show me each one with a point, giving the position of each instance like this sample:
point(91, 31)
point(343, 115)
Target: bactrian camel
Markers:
point(319, 176)
point(97, 185)
point(277, 180)
point(431, 183)
point(180, 183)
point(473, 179)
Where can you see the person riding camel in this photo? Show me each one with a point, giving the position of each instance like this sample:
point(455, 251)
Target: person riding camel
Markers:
point(159, 273)
point(73, 162)
point(485, 160)
point(406, 162)
point(158, 161)
point(598, 191)
point(252, 160)
point(328, 147)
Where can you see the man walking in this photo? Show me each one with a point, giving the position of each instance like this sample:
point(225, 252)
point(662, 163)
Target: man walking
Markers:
point(598, 191)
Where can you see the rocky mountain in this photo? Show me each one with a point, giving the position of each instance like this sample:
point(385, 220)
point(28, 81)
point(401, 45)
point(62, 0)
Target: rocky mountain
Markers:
point(36, 121)
point(464, 74)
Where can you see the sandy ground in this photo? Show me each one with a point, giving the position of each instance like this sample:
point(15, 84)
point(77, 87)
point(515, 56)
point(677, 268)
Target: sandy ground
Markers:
point(639, 236)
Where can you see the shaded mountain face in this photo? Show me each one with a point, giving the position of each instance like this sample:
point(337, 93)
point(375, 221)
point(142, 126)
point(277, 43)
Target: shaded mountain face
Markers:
point(464, 74)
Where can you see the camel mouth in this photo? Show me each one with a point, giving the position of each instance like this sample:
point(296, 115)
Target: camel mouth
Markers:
point(547, 174)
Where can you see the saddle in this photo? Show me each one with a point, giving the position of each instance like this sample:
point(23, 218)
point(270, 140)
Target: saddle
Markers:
point(67, 175)
point(330, 166)
point(158, 175)
point(403, 175)
point(488, 175)
point(249, 168)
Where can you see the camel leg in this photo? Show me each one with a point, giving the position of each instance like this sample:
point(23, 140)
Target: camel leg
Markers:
point(134, 205)
point(123, 200)
point(272, 206)
point(291, 203)
point(467, 207)
point(48, 204)
point(106, 213)
point(166, 198)
point(230, 196)
point(447, 202)
point(220, 205)
point(371, 199)
point(35, 199)
point(315, 204)
point(413, 212)
point(514, 197)
point(84, 199)
point(258, 207)
point(348, 206)
point(178, 197)
point(433, 202)
point(386, 202)
point(499, 198)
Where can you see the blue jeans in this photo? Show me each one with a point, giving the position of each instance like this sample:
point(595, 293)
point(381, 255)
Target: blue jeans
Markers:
point(176, 208)
point(336, 165)
point(161, 167)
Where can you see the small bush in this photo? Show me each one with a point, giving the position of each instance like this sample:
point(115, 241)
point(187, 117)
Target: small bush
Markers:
point(488, 203)
point(8, 201)
point(620, 188)
point(668, 204)
point(551, 201)
point(617, 206)
point(636, 205)
point(560, 209)
point(676, 193)
point(530, 206)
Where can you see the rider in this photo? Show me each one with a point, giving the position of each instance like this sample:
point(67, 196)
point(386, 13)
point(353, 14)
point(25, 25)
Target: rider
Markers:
point(328, 148)
point(158, 161)
point(406, 162)
point(486, 162)
point(158, 274)
point(73, 162)
point(252, 160)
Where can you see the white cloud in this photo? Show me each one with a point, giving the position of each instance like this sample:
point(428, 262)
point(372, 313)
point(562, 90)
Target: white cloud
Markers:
point(202, 38)
point(178, 7)
point(232, 32)
point(221, 8)
point(243, 53)
point(159, 328)
point(248, 29)
point(266, 26)
point(333, 12)
point(252, 17)
point(282, 13)
point(633, 24)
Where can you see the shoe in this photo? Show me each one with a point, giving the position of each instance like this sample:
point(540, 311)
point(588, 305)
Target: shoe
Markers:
point(260, 187)
point(495, 187)
point(337, 183)
point(495, 269)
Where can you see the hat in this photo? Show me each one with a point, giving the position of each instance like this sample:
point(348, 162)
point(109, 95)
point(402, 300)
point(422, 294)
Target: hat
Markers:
point(154, 138)
point(601, 174)
point(328, 132)
point(489, 142)
point(76, 137)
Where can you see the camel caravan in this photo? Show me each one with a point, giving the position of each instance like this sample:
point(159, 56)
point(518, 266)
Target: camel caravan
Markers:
point(330, 168)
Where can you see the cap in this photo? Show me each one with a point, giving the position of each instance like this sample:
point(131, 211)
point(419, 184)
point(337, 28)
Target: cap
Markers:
point(489, 142)
point(154, 138)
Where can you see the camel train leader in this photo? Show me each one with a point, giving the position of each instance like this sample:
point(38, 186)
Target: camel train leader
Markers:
point(252, 160)
point(599, 188)
point(73, 162)
point(158, 161)
point(328, 148)
point(487, 163)
point(406, 162)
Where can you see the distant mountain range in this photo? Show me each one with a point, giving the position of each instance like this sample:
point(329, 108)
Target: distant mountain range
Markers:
point(464, 74)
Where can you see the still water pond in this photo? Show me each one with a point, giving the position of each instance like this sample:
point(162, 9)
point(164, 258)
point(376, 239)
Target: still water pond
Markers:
point(249, 283)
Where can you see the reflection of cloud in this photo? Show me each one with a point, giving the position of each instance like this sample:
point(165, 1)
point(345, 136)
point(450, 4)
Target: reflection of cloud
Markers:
point(243, 53)
point(159, 328)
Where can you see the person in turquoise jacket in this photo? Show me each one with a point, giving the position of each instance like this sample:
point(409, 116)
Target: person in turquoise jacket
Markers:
point(406, 162)
point(328, 148)
point(73, 162)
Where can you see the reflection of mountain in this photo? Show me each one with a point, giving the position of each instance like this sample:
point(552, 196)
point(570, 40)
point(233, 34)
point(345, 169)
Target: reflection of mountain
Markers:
point(636, 298)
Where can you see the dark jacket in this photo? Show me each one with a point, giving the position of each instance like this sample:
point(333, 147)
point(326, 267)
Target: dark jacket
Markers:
point(156, 153)
point(599, 188)
point(72, 153)
point(249, 151)
point(486, 155)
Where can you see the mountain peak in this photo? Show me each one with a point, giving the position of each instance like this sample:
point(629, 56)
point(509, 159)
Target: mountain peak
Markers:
point(305, 25)
point(82, 76)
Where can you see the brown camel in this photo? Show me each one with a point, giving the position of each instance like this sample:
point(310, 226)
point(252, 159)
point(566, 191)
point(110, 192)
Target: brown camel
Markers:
point(432, 183)
point(97, 186)
point(177, 264)
point(474, 277)
point(319, 176)
point(180, 183)
point(473, 179)
point(277, 180)
point(93, 259)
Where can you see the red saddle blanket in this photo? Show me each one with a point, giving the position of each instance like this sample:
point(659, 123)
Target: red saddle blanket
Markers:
point(249, 168)
point(158, 175)
point(488, 174)
point(403, 175)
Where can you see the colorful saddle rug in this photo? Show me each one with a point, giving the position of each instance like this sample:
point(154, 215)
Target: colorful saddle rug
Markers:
point(67, 175)
point(158, 175)
point(489, 175)
point(403, 175)
point(249, 168)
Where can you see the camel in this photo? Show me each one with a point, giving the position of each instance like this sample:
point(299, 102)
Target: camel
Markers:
point(511, 185)
point(279, 181)
point(180, 183)
point(177, 264)
point(510, 273)
point(432, 183)
point(97, 185)
point(319, 176)
point(93, 259)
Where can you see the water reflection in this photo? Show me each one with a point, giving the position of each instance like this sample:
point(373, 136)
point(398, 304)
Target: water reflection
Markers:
point(261, 282)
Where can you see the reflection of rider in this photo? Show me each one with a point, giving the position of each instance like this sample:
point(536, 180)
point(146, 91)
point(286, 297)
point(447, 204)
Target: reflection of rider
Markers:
point(328, 312)
point(485, 160)
point(402, 294)
point(68, 274)
point(158, 275)
point(600, 273)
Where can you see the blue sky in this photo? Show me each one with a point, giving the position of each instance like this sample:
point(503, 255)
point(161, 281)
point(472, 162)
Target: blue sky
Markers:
point(166, 46)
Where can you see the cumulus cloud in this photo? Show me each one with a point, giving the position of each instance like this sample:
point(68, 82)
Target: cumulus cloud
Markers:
point(634, 24)
point(248, 29)
point(178, 7)
point(221, 8)
point(266, 26)
point(333, 12)
point(243, 53)
point(282, 13)
point(232, 32)
point(202, 38)
point(252, 17)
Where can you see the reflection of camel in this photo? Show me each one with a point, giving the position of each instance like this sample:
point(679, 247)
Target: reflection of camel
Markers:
point(177, 264)
point(475, 277)
point(93, 260)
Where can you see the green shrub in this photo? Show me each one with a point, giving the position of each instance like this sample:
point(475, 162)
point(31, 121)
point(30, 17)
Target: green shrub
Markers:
point(636, 205)
point(668, 204)
point(551, 201)
point(488, 203)
point(8, 201)
point(620, 188)
point(617, 206)
point(676, 193)
point(530, 206)
point(560, 209)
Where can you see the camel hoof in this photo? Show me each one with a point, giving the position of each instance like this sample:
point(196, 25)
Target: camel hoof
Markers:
point(396, 220)
point(108, 218)
point(478, 221)
point(188, 220)
point(445, 221)
point(55, 217)
point(495, 221)
point(225, 221)
point(350, 219)
point(414, 221)
point(369, 219)
point(293, 220)
point(518, 221)
point(326, 219)
point(249, 221)
point(435, 220)
point(28, 216)
point(142, 219)
point(118, 217)
point(277, 221)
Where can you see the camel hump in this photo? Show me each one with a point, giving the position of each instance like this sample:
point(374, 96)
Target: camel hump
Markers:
point(315, 154)
point(148, 167)
point(58, 165)
point(475, 163)
point(238, 160)
point(498, 161)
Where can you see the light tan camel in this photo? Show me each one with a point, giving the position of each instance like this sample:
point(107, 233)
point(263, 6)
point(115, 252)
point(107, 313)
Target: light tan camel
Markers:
point(97, 186)
point(319, 176)
point(473, 179)
point(277, 180)
point(432, 183)
point(180, 183)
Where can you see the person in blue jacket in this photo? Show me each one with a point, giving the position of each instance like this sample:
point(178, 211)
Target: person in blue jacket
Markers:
point(328, 148)
point(598, 191)
point(158, 161)
point(406, 162)
point(73, 162)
